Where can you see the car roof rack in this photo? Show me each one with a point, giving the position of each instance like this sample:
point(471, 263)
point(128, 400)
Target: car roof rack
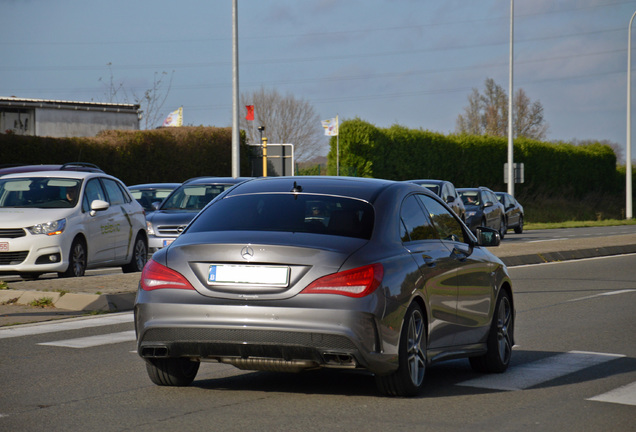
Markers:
point(81, 166)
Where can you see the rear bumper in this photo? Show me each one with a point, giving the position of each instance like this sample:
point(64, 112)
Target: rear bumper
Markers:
point(248, 335)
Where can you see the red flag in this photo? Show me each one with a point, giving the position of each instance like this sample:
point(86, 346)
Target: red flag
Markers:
point(250, 112)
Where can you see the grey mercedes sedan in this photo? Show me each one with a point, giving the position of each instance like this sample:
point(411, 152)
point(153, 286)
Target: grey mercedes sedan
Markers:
point(296, 273)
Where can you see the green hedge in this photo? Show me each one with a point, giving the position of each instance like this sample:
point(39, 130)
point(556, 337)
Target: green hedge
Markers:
point(398, 153)
point(160, 155)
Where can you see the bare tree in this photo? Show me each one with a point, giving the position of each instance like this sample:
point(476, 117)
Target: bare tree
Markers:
point(470, 123)
point(287, 120)
point(528, 117)
point(152, 100)
point(487, 114)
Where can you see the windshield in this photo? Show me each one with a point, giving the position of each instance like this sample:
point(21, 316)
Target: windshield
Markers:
point(146, 197)
point(193, 197)
point(433, 188)
point(288, 212)
point(39, 192)
point(470, 198)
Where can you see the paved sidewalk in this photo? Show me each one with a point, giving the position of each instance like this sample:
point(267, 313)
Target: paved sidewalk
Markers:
point(72, 297)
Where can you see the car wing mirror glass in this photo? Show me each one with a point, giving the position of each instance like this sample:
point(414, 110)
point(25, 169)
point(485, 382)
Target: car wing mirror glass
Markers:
point(488, 237)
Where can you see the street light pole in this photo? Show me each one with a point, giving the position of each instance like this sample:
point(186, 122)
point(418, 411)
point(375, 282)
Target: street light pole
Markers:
point(628, 152)
point(236, 137)
point(511, 169)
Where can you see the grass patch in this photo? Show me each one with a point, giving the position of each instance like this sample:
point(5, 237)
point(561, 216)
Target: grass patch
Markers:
point(10, 301)
point(42, 302)
point(577, 224)
point(96, 312)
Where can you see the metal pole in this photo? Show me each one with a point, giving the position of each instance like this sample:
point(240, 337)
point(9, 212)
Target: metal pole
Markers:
point(236, 137)
point(628, 150)
point(511, 169)
point(264, 140)
point(338, 146)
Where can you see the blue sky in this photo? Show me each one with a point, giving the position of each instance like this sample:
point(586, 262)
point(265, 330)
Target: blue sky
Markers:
point(410, 62)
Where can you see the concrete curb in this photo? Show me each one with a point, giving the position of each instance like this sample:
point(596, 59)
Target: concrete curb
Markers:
point(72, 302)
point(546, 257)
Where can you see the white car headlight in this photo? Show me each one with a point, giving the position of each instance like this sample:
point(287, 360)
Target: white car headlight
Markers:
point(149, 229)
point(49, 228)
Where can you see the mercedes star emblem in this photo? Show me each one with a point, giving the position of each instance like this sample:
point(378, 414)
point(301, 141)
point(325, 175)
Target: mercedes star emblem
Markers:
point(247, 253)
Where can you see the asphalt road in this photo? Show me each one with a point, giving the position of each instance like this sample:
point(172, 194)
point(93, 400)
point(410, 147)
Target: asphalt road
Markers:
point(109, 289)
point(573, 368)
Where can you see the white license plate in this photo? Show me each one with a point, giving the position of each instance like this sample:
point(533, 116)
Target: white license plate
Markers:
point(167, 242)
point(4, 247)
point(248, 275)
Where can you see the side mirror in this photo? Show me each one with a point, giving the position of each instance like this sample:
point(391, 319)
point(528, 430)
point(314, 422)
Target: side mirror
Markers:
point(98, 205)
point(450, 199)
point(488, 204)
point(156, 205)
point(488, 237)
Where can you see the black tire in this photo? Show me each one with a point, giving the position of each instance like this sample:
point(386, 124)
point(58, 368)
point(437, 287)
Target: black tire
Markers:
point(519, 228)
point(139, 256)
point(30, 276)
point(177, 372)
point(503, 228)
point(76, 260)
point(499, 344)
point(408, 380)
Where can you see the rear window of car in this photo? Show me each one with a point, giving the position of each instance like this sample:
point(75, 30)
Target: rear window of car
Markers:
point(193, 197)
point(288, 212)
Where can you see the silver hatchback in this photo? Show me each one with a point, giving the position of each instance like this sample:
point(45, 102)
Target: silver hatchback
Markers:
point(296, 273)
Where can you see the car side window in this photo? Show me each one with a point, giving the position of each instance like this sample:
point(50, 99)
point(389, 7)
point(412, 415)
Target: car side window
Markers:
point(446, 193)
point(92, 192)
point(444, 222)
point(115, 195)
point(125, 192)
point(417, 226)
point(491, 197)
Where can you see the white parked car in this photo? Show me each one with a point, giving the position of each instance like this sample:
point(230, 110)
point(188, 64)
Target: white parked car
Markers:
point(69, 221)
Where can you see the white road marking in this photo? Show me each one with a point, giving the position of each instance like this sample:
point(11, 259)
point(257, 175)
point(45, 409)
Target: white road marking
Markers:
point(63, 325)
point(625, 395)
point(537, 372)
point(548, 240)
point(93, 341)
point(609, 293)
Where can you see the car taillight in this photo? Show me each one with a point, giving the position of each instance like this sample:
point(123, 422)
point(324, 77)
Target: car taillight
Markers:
point(156, 276)
point(358, 282)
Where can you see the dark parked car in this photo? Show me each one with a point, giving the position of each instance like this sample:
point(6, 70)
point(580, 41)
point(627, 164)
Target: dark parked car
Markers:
point(299, 273)
point(514, 211)
point(445, 190)
point(151, 193)
point(483, 209)
point(177, 209)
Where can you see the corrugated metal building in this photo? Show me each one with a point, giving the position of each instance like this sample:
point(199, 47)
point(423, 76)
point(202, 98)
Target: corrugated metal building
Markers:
point(57, 118)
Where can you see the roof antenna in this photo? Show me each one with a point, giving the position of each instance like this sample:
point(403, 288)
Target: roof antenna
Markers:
point(297, 188)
